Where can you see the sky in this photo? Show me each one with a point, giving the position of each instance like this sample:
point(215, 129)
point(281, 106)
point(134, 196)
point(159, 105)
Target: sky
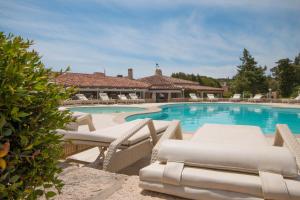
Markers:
point(191, 36)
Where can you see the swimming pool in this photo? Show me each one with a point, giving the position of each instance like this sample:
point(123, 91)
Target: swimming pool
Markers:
point(192, 116)
point(110, 109)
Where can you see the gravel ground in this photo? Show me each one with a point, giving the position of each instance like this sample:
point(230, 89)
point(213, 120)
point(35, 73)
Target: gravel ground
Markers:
point(85, 183)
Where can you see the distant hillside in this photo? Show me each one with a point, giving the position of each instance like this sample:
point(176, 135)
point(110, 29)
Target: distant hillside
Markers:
point(203, 80)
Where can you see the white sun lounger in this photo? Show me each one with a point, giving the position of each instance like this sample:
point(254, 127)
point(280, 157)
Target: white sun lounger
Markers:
point(105, 99)
point(236, 97)
point(82, 99)
point(194, 97)
point(256, 98)
point(224, 162)
point(71, 102)
point(295, 100)
point(123, 144)
point(135, 98)
point(124, 99)
point(211, 97)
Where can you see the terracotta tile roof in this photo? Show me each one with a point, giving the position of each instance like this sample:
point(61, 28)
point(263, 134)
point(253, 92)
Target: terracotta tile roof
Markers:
point(165, 87)
point(180, 81)
point(165, 82)
point(98, 80)
point(155, 82)
point(159, 82)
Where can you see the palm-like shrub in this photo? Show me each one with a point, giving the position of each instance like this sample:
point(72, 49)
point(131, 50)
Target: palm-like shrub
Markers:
point(29, 116)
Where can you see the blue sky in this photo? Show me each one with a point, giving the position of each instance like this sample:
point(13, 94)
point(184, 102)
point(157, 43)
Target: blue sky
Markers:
point(192, 36)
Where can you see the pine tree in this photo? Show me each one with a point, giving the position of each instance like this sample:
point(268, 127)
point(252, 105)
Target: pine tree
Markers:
point(250, 77)
point(285, 74)
point(297, 60)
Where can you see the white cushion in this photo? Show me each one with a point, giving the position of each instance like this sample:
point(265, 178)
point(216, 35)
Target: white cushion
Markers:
point(133, 96)
point(193, 96)
point(107, 135)
point(236, 96)
point(210, 96)
point(104, 97)
point(207, 179)
point(81, 97)
point(230, 134)
point(214, 181)
point(122, 97)
point(250, 159)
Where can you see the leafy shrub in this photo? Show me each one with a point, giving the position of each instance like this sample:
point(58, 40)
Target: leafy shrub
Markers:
point(227, 94)
point(296, 91)
point(247, 94)
point(29, 116)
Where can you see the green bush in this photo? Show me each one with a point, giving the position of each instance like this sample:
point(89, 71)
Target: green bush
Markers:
point(227, 94)
point(29, 116)
point(247, 94)
point(296, 91)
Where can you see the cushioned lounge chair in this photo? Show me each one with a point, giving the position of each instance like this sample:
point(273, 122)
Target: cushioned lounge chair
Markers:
point(84, 100)
point(124, 99)
point(236, 97)
point(120, 145)
point(105, 99)
point(224, 162)
point(211, 97)
point(135, 98)
point(194, 97)
point(256, 98)
point(71, 102)
point(295, 100)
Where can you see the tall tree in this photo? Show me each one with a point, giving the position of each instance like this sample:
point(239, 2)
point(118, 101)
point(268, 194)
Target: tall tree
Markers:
point(297, 60)
point(285, 74)
point(250, 77)
point(297, 68)
point(203, 80)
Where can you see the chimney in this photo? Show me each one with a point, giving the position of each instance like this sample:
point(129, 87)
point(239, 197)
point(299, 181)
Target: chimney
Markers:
point(99, 74)
point(130, 73)
point(158, 71)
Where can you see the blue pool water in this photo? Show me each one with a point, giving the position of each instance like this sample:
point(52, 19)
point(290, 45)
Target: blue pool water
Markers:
point(192, 116)
point(106, 109)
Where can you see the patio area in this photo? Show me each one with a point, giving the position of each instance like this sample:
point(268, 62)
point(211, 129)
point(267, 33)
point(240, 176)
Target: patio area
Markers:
point(85, 180)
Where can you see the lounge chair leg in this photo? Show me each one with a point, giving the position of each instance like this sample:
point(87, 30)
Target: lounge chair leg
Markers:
point(100, 159)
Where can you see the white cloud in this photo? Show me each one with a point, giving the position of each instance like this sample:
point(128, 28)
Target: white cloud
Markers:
point(163, 4)
point(182, 43)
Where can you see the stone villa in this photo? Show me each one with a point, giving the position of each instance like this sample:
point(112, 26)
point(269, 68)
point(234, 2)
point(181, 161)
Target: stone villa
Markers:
point(157, 88)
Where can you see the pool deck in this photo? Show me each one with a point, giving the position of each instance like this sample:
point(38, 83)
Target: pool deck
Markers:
point(84, 182)
point(107, 120)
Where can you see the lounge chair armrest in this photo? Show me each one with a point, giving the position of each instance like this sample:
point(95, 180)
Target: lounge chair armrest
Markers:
point(118, 142)
point(285, 136)
point(173, 132)
point(86, 119)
